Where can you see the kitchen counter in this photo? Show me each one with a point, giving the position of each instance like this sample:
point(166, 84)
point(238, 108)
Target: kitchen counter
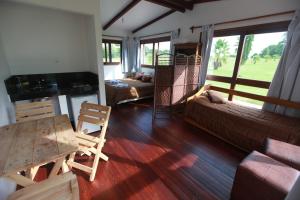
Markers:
point(25, 87)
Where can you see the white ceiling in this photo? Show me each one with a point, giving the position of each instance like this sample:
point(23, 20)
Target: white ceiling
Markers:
point(140, 14)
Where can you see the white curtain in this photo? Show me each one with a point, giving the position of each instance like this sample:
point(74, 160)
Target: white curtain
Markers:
point(136, 55)
point(206, 37)
point(125, 55)
point(174, 36)
point(286, 81)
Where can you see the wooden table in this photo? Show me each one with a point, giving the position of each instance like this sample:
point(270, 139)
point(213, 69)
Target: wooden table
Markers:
point(28, 145)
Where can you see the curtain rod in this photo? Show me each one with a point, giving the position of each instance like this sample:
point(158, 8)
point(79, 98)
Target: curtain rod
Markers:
point(246, 19)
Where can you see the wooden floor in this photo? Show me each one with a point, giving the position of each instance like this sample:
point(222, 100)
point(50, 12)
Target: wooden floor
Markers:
point(167, 160)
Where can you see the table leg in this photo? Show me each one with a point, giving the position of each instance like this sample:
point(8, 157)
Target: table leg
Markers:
point(30, 173)
point(71, 158)
point(57, 166)
point(21, 180)
point(65, 167)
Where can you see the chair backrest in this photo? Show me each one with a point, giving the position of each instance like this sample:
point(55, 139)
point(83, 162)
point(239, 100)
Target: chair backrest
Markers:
point(34, 111)
point(93, 114)
point(63, 186)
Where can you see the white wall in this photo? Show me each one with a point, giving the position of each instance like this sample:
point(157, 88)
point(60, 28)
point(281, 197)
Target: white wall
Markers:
point(43, 40)
point(113, 31)
point(92, 8)
point(92, 45)
point(219, 11)
point(4, 101)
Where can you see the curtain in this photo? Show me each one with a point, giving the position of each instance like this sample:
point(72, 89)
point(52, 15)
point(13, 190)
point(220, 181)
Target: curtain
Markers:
point(286, 81)
point(174, 36)
point(125, 55)
point(136, 55)
point(206, 37)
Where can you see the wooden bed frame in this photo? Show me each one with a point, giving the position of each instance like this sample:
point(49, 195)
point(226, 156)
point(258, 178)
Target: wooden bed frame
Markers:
point(133, 100)
point(272, 100)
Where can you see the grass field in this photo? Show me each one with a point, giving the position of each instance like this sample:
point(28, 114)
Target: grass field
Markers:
point(262, 70)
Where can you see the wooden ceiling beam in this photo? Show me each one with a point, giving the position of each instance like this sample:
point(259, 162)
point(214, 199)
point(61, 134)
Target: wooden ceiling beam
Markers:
point(186, 4)
point(154, 20)
point(169, 4)
point(121, 13)
point(203, 1)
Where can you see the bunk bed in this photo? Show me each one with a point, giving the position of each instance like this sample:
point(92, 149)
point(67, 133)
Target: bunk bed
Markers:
point(244, 127)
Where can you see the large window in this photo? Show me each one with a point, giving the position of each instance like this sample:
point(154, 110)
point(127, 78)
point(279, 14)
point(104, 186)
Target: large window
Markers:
point(112, 52)
point(223, 55)
point(245, 59)
point(151, 47)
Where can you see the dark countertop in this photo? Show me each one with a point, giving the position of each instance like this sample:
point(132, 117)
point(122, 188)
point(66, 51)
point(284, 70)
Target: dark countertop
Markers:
point(25, 87)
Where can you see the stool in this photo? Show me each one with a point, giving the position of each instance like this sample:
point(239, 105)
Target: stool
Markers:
point(283, 152)
point(261, 177)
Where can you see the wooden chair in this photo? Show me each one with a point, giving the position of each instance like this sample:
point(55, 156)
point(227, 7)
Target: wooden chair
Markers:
point(33, 111)
point(97, 115)
point(62, 187)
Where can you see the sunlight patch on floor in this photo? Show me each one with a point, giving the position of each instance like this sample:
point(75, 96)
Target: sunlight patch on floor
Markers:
point(185, 162)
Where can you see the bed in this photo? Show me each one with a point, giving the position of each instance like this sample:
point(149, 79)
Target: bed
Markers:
point(128, 89)
point(244, 127)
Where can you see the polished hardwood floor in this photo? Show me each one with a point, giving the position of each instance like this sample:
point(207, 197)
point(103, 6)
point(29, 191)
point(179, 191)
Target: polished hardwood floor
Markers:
point(168, 159)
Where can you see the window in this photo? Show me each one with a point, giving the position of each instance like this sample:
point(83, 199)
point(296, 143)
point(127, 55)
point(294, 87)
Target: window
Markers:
point(147, 54)
point(246, 58)
point(151, 47)
point(260, 61)
point(223, 55)
point(263, 55)
point(112, 52)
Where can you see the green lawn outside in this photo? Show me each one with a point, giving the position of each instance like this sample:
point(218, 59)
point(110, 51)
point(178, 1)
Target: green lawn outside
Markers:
point(262, 70)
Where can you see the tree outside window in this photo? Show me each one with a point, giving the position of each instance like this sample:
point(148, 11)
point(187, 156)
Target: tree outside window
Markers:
point(152, 47)
point(259, 59)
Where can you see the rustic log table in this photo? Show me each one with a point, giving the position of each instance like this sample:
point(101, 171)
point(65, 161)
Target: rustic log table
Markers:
point(27, 146)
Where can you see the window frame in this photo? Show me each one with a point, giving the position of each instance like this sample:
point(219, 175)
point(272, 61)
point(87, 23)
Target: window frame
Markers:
point(242, 32)
point(153, 41)
point(108, 55)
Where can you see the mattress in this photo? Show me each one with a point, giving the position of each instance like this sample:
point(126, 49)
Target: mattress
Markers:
point(242, 126)
point(127, 89)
